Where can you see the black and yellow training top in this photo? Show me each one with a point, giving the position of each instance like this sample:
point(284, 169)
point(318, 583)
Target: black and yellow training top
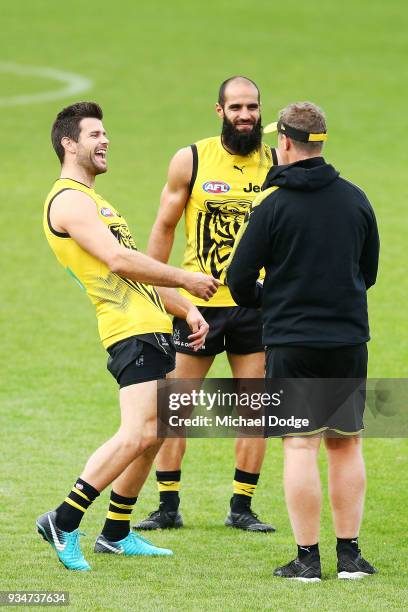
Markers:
point(123, 307)
point(223, 187)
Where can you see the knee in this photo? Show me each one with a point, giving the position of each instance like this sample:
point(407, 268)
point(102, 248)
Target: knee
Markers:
point(344, 445)
point(133, 446)
point(151, 446)
point(304, 444)
point(129, 445)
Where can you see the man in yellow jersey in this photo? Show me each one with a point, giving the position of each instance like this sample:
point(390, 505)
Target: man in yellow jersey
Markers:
point(92, 241)
point(213, 182)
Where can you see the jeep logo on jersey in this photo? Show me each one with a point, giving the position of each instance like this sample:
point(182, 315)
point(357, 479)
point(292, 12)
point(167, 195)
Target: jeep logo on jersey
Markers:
point(216, 187)
point(254, 188)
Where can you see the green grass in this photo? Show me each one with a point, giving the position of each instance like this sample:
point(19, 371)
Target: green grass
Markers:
point(156, 68)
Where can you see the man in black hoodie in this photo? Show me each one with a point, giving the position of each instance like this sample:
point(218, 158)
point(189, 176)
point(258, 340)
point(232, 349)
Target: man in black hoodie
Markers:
point(316, 236)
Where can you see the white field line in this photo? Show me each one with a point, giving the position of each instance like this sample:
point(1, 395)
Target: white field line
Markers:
point(71, 84)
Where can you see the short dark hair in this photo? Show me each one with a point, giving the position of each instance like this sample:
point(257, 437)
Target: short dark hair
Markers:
point(224, 84)
point(67, 123)
point(307, 117)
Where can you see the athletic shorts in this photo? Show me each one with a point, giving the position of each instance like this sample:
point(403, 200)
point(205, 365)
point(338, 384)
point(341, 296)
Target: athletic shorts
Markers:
point(233, 329)
point(141, 358)
point(327, 387)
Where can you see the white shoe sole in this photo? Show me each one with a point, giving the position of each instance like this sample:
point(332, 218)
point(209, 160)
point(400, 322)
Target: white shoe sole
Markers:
point(300, 579)
point(352, 575)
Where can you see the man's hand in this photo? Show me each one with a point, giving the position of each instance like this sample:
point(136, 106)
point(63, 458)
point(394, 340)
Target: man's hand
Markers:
point(200, 285)
point(198, 326)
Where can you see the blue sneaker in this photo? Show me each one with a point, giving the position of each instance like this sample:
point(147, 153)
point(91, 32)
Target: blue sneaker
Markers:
point(65, 543)
point(133, 544)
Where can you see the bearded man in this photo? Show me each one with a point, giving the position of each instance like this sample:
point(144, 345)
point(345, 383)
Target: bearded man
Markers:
point(213, 182)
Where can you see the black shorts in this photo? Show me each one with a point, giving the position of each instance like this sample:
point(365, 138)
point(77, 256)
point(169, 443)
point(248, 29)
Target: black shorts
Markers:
point(233, 329)
point(141, 358)
point(324, 386)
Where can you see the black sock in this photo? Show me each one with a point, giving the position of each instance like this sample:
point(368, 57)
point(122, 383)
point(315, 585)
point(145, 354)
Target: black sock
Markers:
point(305, 551)
point(348, 546)
point(73, 508)
point(244, 486)
point(117, 523)
point(168, 484)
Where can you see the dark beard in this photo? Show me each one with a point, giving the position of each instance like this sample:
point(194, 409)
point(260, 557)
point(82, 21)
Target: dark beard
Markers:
point(241, 143)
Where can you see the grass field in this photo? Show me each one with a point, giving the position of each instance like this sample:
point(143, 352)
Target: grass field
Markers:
point(155, 70)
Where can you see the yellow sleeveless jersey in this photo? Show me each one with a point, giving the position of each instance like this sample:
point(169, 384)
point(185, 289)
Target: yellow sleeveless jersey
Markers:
point(223, 187)
point(123, 307)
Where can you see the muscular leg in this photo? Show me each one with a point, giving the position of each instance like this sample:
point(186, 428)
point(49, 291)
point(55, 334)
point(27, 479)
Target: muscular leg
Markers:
point(136, 435)
point(346, 484)
point(132, 479)
point(170, 455)
point(250, 452)
point(139, 410)
point(130, 482)
point(302, 488)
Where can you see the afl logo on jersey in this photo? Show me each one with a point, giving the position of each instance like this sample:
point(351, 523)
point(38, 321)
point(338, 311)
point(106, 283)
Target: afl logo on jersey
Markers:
point(216, 187)
point(106, 212)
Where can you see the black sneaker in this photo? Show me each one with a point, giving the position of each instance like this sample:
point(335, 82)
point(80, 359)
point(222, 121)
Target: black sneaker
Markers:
point(248, 521)
point(161, 519)
point(349, 568)
point(307, 571)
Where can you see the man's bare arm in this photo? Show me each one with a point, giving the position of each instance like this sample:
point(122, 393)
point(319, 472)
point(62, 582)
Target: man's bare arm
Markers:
point(181, 307)
point(75, 213)
point(172, 203)
point(174, 302)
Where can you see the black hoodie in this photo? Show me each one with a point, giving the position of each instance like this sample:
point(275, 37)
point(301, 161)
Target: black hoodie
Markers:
point(316, 236)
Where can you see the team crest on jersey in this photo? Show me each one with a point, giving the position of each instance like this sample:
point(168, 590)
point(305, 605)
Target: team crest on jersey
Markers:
point(107, 212)
point(122, 235)
point(217, 229)
point(216, 187)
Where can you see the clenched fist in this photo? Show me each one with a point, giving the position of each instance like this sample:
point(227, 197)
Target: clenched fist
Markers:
point(201, 285)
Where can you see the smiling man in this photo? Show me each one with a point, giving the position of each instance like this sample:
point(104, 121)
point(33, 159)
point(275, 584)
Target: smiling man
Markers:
point(213, 182)
point(93, 243)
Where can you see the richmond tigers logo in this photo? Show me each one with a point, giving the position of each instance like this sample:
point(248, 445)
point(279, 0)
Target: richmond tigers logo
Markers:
point(122, 235)
point(125, 238)
point(216, 231)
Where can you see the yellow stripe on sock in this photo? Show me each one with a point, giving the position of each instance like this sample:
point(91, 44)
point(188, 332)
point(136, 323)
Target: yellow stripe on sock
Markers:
point(115, 516)
point(74, 504)
point(78, 492)
point(122, 506)
point(243, 488)
point(168, 485)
